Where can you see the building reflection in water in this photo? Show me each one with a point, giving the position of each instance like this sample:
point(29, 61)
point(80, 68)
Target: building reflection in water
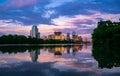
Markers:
point(74, 50)
point(34, 55)
point(85, 47)
point(62, 49)
point(57, 51)
point(68, 49)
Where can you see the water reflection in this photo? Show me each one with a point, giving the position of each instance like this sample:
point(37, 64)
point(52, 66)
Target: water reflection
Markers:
point(34, 52)
point(77, 60)
point(107, 57)
point(34, 55)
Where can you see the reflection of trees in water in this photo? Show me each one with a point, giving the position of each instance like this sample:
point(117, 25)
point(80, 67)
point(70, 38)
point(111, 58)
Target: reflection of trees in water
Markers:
point(51, 49)
point(16, 49)
point(107, 57)
point(34, 51)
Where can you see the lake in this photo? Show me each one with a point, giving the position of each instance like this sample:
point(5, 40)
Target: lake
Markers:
point(60, 60)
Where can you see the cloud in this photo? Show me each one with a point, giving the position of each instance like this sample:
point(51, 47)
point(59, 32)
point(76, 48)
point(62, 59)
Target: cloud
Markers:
point(84, 18)
point(56, 3)
point(82, 7)
point(48, 13)
point(20, 3)
point(36, 9)
point(80, 19)
point(112, 17)
point(10, 27)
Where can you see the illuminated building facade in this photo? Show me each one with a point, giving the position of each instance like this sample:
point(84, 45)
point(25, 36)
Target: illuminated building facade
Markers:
point(63, 37)
point(58, 51)
point(58, 35)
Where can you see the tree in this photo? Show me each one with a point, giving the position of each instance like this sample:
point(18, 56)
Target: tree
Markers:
point(106, 42)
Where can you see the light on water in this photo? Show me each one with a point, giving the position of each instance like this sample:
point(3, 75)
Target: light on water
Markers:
point(53, 60)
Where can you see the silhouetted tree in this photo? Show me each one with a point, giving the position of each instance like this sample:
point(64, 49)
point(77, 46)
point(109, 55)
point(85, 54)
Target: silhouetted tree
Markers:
point(106, 42)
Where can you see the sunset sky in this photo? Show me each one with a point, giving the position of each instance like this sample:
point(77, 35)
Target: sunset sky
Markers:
point(81, 16)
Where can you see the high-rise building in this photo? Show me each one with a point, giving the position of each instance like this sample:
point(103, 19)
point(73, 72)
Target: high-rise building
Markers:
point(68, 36)
point(34, 32)
point(38, 35)
point(73, 35)
point(58, 35)
point(63, 37)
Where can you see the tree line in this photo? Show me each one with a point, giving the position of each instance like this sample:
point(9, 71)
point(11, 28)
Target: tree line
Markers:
point(107, 33)
point(21, 39)
point(106, 42)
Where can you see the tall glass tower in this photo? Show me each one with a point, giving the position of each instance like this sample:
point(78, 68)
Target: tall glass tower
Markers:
point(34, 32)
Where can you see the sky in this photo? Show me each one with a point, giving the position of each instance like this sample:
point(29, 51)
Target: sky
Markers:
point(81, 16)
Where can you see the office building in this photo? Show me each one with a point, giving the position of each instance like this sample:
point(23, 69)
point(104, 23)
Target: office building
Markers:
point(74, 35)
point(34, 32)
point(44, 37)
point(68, 36)
point(57, 35)
point(63, 37)
point(51, 36)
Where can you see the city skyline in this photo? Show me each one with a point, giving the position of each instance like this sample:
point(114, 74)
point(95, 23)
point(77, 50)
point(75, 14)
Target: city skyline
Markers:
point(57, 35)
point(18, 16)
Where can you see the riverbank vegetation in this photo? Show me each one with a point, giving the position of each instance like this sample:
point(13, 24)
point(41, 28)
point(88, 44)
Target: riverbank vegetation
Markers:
point(21, 39)
point(106, 42)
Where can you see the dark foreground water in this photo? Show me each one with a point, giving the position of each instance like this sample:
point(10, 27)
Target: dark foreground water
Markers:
point(53, 61)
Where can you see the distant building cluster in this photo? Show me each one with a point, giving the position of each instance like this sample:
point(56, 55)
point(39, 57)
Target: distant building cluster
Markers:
point(57, 35)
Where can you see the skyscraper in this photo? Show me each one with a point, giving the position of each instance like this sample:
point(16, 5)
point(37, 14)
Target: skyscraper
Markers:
point(34, 32)
point(62, 37)
point(73, 35)
point(68, 36)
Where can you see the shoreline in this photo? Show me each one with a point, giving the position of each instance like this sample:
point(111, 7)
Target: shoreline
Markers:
point(43, 44)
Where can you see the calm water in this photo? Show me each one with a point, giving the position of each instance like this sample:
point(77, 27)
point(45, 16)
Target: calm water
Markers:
point(52, 61)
